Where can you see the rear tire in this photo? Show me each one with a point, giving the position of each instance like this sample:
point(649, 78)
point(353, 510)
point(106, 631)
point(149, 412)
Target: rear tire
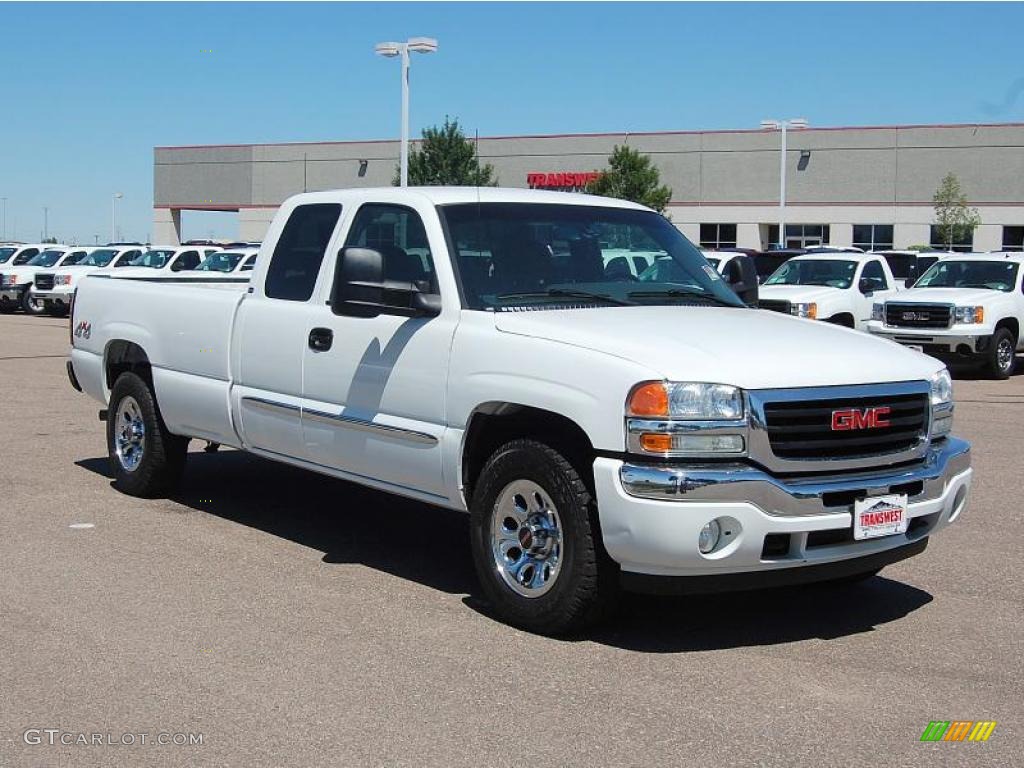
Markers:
point(146, 458)
point(536, 543)
point(31, 305)
point(1001, 353)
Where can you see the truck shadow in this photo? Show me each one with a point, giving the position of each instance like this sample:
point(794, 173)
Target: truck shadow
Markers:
point(356, 525)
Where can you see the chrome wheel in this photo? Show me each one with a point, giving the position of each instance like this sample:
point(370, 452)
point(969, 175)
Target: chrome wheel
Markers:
point(129, 434)
point(1004, 354)
point(526, 538)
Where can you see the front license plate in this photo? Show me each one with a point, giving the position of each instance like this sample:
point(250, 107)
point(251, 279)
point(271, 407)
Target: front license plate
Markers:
point(879, 516)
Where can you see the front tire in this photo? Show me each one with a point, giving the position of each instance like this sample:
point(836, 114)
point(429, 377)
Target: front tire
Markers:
point(1001, 354)
point(30, 305)
point(146, 458)
point(536, 543)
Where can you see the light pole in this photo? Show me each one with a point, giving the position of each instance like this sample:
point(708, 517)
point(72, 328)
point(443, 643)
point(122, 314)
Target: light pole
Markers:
point(113, 216)
point(46, 223)
point(390, 50)
point(4, 235)
point(782, 126)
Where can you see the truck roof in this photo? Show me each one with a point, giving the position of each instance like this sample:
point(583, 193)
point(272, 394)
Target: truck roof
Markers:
point(837, 256)
point(454, 195)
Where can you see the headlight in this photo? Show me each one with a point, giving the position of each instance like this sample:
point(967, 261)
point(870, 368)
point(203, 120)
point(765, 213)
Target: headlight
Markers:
point(878, 312)
point(942, 404)
point(942, 388)
point(62, 280)
point(668, 418)
point(970, 315)
point(684, 400)
point(804, 310)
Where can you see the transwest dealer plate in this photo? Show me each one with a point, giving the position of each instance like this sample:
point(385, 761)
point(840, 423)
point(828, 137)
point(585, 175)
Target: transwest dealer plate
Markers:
point(880, 516)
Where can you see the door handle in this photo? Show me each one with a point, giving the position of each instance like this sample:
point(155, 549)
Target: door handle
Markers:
point(321, 339)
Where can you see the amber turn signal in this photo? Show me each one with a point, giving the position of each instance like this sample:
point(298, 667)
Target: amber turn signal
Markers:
point(652, 442)
point(649, 399)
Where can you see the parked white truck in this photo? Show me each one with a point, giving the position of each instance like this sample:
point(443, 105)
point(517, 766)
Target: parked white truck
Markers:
point(838, 287)
point(966, 308)
point(54, 289)
point(16, 282)
point(466, 347)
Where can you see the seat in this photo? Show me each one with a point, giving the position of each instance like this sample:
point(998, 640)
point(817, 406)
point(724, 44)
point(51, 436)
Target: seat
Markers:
point(521, 264)
point(585, 262)
point(618, 269)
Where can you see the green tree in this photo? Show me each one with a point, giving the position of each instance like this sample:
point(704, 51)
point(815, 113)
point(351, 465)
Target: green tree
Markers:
point(953, 217)
point(446, 158)
point(632, 176)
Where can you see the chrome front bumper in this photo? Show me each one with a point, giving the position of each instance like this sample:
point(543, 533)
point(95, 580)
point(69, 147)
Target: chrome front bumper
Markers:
point(976, 339)
point(794, 496)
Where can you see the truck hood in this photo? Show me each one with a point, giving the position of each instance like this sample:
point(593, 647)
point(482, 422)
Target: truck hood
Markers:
point(753, 349)
point(799, 293)
point(961, 296)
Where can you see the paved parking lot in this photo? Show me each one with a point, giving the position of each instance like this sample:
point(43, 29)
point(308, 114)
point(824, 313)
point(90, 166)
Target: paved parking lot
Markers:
point(295, 620)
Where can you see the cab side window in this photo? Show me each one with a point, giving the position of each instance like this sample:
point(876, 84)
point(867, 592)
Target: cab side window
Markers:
point(398, 233)
point(874, 273)
point(187, 260)
point(300, 250)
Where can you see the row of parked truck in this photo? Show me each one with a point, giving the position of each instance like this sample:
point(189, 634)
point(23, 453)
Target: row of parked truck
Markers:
point(42, 277)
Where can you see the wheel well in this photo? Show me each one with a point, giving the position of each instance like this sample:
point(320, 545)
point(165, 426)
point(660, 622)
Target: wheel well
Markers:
point(494, 424)
point(124, 356)
point(842, 318)
point(1011, 324)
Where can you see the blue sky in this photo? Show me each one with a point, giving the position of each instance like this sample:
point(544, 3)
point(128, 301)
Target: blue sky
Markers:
point(87, 90)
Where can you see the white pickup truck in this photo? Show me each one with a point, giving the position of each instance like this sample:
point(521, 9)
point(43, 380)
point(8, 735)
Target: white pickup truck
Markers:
point(966, 308)
point(467, 348)
point(838, 287)
point(55, 288)
point(16, 282)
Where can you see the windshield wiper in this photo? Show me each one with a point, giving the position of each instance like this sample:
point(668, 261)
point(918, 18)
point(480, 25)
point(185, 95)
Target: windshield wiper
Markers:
point(680, 292)
point(562, 293)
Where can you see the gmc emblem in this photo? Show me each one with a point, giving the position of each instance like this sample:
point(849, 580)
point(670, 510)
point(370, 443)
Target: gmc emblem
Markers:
point(915, 316)
point(854, 418)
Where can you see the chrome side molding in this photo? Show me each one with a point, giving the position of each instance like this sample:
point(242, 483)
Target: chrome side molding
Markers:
point(354, 422)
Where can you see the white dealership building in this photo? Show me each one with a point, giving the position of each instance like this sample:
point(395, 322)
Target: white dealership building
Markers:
point(866, 186)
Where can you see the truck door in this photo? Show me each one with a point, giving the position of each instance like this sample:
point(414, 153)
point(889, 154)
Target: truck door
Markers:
point(272, 327)
point(875, 286)
point(374, 389)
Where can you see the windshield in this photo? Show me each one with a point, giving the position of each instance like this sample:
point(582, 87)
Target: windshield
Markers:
point(46, 258)
point(155, 259)
point(832, 273)
point(5, 254)
point(511, 255)
point(98, 258)
point(994, 275)
point(249, 264)
point(714, 262)
point(74, 257)
point(225, 261)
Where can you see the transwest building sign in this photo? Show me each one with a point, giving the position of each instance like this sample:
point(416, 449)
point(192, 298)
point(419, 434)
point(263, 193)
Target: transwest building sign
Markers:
point(561, 180)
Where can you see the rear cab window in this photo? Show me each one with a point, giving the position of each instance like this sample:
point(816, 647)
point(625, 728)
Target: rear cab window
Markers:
point(295, 263)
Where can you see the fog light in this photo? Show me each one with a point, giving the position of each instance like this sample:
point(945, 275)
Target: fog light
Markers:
point(708, 538)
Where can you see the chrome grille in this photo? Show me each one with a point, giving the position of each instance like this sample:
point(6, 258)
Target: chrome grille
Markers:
point(774, 305)
point(903, 315)
point(805, 430)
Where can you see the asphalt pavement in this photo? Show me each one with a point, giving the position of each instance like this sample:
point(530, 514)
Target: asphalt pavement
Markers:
point(266, 616)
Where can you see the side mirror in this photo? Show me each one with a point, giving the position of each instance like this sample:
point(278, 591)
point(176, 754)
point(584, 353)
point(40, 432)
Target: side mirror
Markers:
point(909, 282)
point(741, 276)
point(360, 289)
point(867, 285)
